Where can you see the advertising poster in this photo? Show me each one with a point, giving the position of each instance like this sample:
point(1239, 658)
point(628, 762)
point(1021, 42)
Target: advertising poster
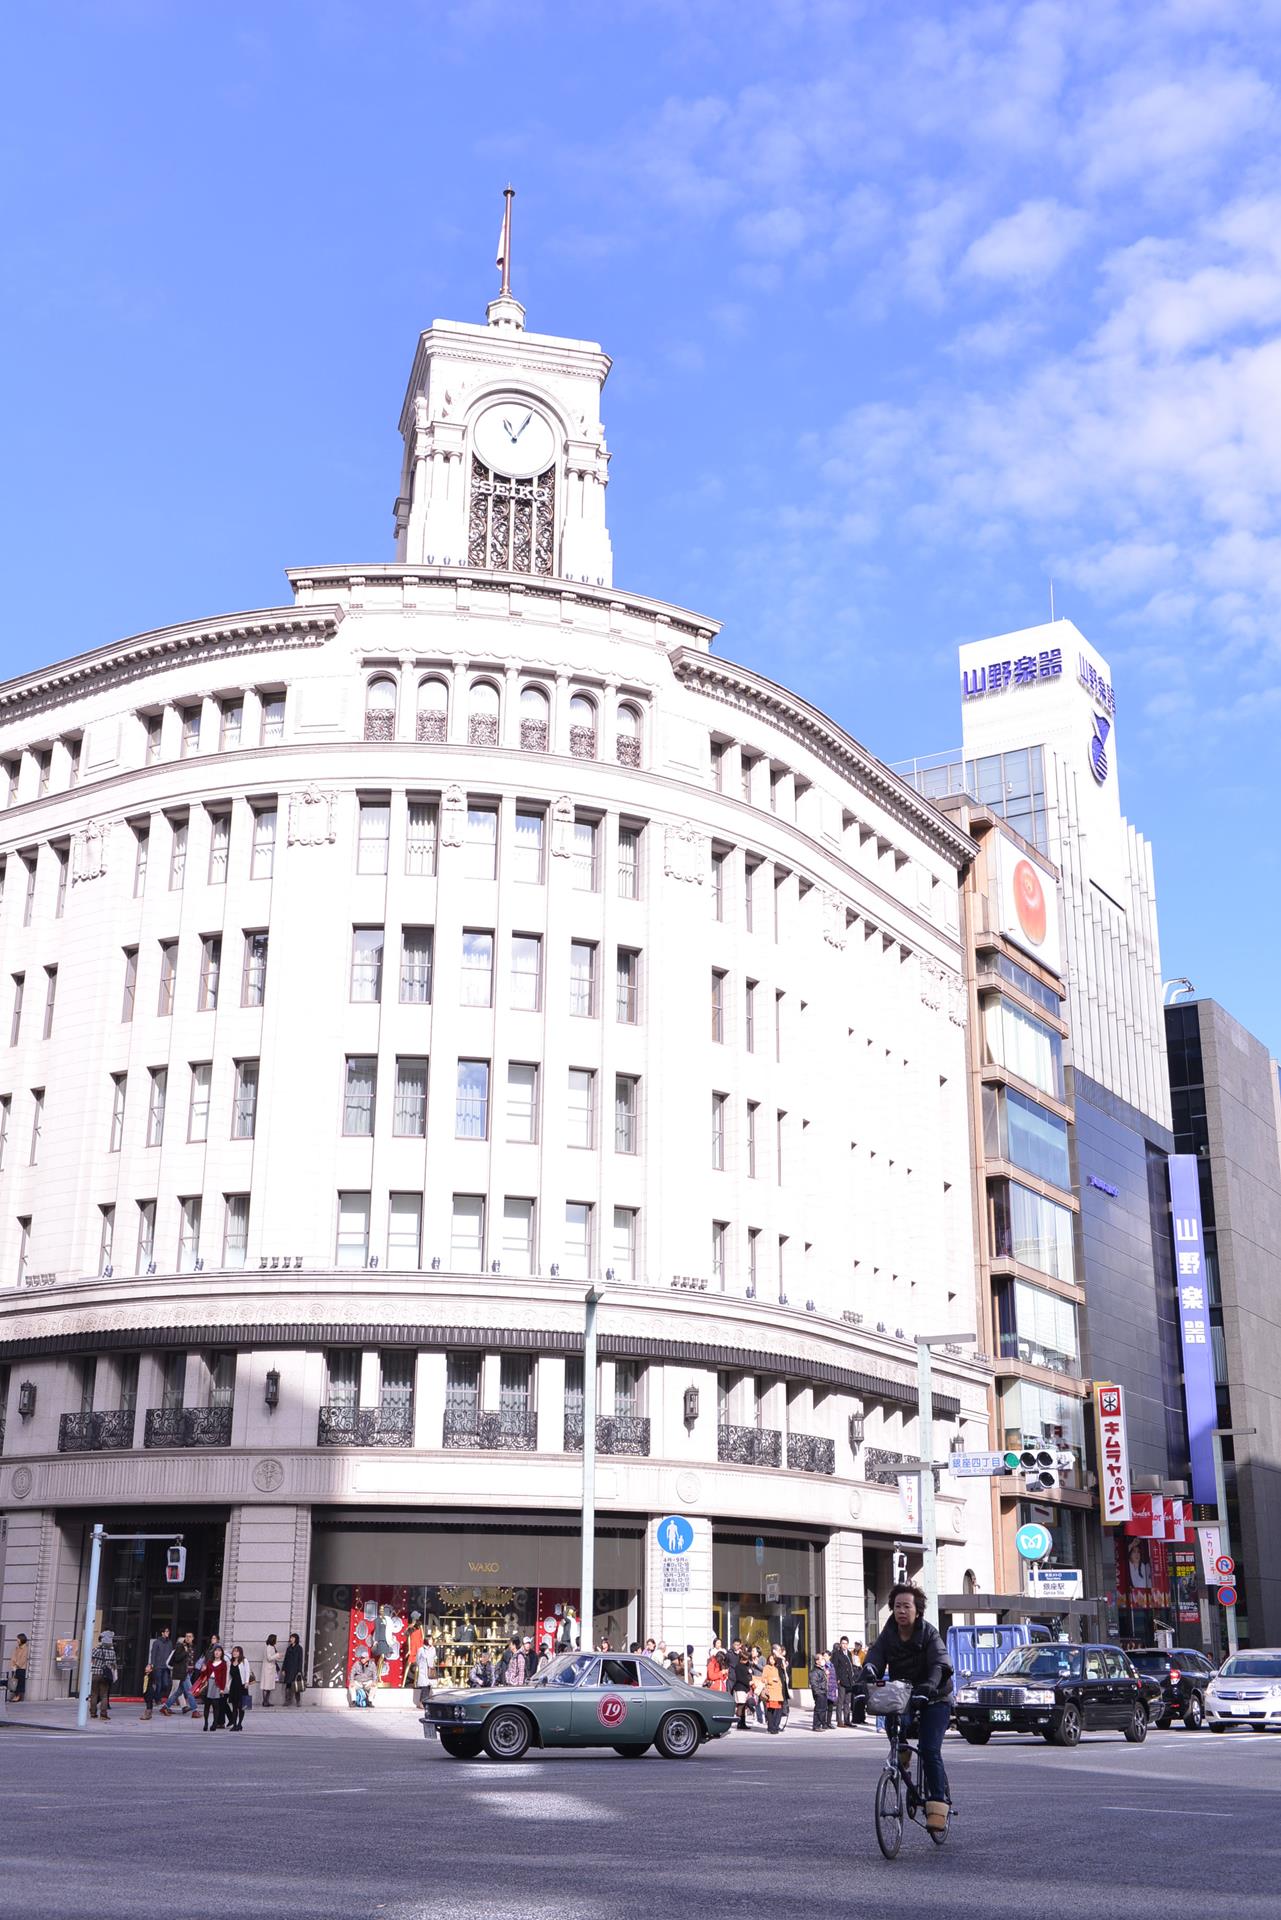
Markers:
point(1183, 1586)
point(1024, 899)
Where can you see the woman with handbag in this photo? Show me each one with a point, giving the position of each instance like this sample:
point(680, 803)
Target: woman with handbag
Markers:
point(270, 1669)
point(771, 1692)
point(216, 1681)
point(239, 1677)
point(292, 1668)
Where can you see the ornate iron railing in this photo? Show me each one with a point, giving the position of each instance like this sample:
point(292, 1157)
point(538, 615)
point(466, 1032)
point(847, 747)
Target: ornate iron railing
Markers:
point(429, 729)
point(533, 736)
point(627, 748)
point(615, 1433)
point(810, 1453)
point(750, 1446)
point(366, 1427)
point(582, 743)
point(491, 1432)
point(884, 1467)
point(96, 1432)
point(482, 730)
point(187, 1427)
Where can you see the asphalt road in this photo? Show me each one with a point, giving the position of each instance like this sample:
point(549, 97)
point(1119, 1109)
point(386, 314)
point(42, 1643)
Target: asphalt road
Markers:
point(775, 1829)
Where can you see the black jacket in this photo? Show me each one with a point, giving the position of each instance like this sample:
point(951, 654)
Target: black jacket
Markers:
point(740, 1674)
point(844, 1665)
point(922, 1661)
point(291, 1665)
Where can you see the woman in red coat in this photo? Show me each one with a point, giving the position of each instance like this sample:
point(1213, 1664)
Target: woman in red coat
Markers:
point(216, 1680)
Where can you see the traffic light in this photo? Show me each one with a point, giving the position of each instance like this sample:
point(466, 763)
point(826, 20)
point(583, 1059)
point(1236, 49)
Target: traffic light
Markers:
point(175, 1566)
point(900, 1569)
point(1039, 1467)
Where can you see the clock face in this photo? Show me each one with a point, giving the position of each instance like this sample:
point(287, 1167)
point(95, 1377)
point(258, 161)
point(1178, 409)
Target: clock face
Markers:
point(512, 437)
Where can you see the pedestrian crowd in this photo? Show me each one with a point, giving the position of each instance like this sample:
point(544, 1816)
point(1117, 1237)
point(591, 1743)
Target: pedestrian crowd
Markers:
point(215, 1686)
point(761, 1684)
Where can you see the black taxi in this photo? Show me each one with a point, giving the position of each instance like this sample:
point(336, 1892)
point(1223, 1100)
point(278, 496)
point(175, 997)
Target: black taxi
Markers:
point(1059, 1691)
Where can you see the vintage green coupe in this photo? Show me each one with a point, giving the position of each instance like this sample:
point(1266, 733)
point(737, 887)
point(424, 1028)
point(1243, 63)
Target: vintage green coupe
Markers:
point(618, 1700)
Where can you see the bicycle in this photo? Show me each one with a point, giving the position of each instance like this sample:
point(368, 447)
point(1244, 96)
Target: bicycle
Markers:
point(900, 1790)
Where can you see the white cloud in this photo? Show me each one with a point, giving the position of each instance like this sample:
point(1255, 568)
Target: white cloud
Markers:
point(1027, 245)
point(1161, 133)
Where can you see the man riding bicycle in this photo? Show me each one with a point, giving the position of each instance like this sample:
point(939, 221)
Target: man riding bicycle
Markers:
point(909, 1648)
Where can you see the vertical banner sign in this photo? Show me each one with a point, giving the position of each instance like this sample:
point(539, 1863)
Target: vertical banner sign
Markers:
point(909, 1494)
point(1114, 1454)
point(1209, 1542)
point(1194, 1321)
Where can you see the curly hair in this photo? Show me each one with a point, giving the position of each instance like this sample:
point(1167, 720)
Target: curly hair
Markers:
point(918, 1598)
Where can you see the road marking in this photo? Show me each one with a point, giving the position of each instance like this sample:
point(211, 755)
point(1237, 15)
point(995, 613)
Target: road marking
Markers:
point(548, 1806)
point(1175, 1813)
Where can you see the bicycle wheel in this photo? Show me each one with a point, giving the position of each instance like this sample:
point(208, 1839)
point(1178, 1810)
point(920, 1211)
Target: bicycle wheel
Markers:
point(889, 1813)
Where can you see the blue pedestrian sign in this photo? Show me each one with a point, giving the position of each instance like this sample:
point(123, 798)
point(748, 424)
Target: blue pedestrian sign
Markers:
point(1033, 1541)
point(675, 1534)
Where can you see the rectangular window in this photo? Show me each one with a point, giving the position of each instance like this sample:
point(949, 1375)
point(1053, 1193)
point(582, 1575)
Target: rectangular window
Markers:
point(30, 862)
point(749, 1010)
point(420, 837)
point(415, 965)
point(373, 836)
point(750, 871)
point(13, 773)
point(253, 977)
point(531, 833)
point(522, 1102)
point(244, 1112)
point(778, 1026)
point(352, 1249)
point(718, 1004)
point(1023, 1045)
point(24, 1250)
point(119, 1086)
point(584, 866)
point(405, 1231)
point(37, 1123)
point(106, 1237)
point(582, 977)
point(476, 986)
point(44, 768)
point(779, 1119)
point(1032, 1230)
point(15, 1020)
point(189, 1234)
point(190, 731)
point(515, 1390)
point(173, 1381)
point(462, 1385)
point(62, 857)
point(746, 768)
point(262, 859)
point(396, 1391)
point(471, 1101)
point(155, 725)
point(753, 1257)
point(467, 1233)
point(50, 998)
point(628, 983)
point(360, 1089)
point(527, 972)
point(177, 855)
point(776, 778)
point(623, 1248)
point(719, 863)
point(1027, 1135)
point(629, 839)
point(1036, 1326)
point(210, 970)
point(366, 963)
point(626, 1113)
point(273, 719)
point(409, 1117)
point(219, 848)
point(718, 764)
point(235, 1229)
point(146, 1235)
point(131, 984)
point(628, 1376)
point(198, 1103)
point(718, 1131)
point(753, 1114)
point(342, 1364)
point(581, 1111)
point(141, 846)
point(576, 1260)
point(168, 976)
point(481, 845)
point(518, 1236)
point(231, 720)
point(157, 1096)
point(779, 881)
point(6, 1108)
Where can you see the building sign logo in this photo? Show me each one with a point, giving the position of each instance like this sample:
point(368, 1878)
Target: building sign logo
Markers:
point(1114, 1455)
point(1194, 1322)
point(1099, 747)
point(1023, 672)
point(1099, 689)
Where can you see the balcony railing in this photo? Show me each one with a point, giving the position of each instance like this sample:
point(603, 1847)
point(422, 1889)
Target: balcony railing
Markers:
point(466, 1427)
point(187, 1427)
point(96, 1432)
point(883, 1466)
point(366, 1427)
point(615, 1433)
point(810, 1453)
point(750, 1446)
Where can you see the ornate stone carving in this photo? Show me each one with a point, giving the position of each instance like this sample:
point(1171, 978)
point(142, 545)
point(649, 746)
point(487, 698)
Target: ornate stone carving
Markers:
point(268, 1475)
point(689, 1488)
point(453, 816)
point(563, 828)
point(22, 1482)
point(89, 851)
point(311, 817)
point(932, 983)
point(856, 1506)
point(834, 926)
point(958, 1521)
point(957, 1011)
point(685, 854)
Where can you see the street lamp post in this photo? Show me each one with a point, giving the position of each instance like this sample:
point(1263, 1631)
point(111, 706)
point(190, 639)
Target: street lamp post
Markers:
point(587, 1575)
point(1217, 1436)
point(925, 1449)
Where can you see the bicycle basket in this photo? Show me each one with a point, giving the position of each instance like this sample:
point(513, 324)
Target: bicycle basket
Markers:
point(891, 1696)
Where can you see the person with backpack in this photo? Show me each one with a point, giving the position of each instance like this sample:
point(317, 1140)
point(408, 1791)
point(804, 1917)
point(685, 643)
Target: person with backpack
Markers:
point(104, 1674)
point(482, 1672)
point(513, 1667)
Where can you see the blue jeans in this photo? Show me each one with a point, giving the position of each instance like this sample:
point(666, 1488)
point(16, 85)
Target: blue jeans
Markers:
point(181, 1691)
point(929, 1725)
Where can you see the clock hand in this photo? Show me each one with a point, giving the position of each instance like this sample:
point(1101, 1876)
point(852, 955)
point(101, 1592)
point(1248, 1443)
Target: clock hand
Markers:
point(524, 423)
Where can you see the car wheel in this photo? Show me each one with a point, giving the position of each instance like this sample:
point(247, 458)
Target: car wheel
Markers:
point(1068, 1731)
point(1163, 1720)
point(461, 1746)
point(1155, 1715)
point(976, 1736)
point(1137, 1731)
point(678, 1736)
point(1194, 1713)
point(508, 1734)
point(636, 1750)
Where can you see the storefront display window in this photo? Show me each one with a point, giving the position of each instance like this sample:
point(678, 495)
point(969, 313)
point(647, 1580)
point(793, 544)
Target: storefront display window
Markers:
point(767, 1591)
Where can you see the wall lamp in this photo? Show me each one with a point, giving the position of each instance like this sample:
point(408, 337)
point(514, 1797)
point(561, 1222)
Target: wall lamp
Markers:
point(858, 1425)
point(27, 1399)
point(271, 1387)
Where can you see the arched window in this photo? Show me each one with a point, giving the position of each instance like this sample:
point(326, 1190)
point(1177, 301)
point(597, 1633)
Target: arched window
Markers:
point(627, 743)
point(380, 708)
point(533, 720)
point(582, 727)
point(482, 714)
point(433, 712)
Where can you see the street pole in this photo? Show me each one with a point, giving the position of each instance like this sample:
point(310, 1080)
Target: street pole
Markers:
point(1217, 1436)
point(587, 1575)
point(925, 1451)
point(86, 1644)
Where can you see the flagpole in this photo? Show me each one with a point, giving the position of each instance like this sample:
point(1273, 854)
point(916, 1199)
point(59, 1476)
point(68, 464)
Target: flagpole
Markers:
point(508, 196)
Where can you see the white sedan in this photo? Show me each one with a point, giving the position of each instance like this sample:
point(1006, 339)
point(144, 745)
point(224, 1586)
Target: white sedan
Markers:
point(1246, 1692)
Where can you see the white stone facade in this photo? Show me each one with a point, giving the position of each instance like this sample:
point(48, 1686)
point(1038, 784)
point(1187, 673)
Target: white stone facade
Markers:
point(277, 887)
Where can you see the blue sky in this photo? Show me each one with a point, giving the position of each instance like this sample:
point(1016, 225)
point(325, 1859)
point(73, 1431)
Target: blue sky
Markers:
point(911, 309)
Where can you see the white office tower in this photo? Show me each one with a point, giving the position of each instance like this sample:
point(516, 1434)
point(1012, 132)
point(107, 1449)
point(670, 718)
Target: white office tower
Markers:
point(381, 970)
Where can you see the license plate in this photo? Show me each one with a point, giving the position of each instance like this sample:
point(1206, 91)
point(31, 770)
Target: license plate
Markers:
point(999, 1713)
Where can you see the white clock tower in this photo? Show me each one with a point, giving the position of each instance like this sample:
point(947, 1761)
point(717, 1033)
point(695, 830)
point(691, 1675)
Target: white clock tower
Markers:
point(505, 463)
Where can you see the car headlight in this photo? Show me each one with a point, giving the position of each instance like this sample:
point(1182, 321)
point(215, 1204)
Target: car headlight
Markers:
point(969, 1695)
point(1039, 1696)
point(460, 1713)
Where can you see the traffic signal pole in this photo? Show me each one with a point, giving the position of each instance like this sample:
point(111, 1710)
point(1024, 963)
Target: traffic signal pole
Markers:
point(96, 1538)
point(925, 1428)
